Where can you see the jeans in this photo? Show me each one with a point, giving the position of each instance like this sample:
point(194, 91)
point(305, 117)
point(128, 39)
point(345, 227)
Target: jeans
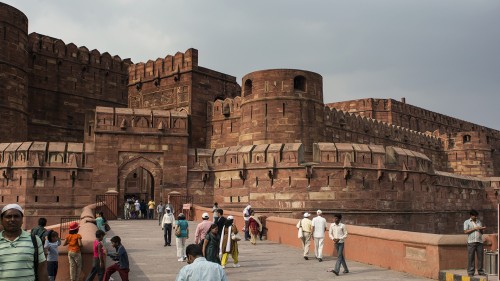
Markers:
point(96, 269)
point(167, 233)
point(474, 249)
point(247, 231)
point(340, 257)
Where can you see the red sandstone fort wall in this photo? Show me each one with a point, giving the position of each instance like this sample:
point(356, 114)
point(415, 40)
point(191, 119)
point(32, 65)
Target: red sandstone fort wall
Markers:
point(65, 81)
point(178, 83)
point(49, 179)
point(13, 74)
point(386, 187)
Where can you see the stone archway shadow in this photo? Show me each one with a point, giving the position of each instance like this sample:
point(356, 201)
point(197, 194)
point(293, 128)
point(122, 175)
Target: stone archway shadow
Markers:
point(132, 164)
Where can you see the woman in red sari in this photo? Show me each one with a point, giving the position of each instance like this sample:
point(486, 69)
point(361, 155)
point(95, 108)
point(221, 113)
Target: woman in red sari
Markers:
point(255, 227)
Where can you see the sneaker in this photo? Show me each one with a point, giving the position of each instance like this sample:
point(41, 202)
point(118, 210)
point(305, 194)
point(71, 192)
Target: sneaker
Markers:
point(223, 266)
point(346, 271)
point(306, 258)
point(236, 265)
point(320, 259)
point(180, 259)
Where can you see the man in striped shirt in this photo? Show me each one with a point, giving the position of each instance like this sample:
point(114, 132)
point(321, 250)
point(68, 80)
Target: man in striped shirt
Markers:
point(17, 252)
point(474, 228)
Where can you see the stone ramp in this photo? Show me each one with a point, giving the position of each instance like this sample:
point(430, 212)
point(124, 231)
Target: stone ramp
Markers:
point(268, 261)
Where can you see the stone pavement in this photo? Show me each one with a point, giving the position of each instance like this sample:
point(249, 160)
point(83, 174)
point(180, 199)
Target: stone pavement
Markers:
point(269, 261)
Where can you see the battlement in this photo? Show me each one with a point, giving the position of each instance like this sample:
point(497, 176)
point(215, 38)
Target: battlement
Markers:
point(368, 126)
point(129, 120)
point(161, 67)
point(44, 154)
point(410, 116)
point(221, 109)
point(53, 47)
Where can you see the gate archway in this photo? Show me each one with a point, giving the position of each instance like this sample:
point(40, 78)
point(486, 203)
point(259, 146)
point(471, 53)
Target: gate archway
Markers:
point(147, 172)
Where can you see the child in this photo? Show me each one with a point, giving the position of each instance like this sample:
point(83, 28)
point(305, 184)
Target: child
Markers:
point(121, 256)
point(74, 242)
point(99, 261)
point(50, 247)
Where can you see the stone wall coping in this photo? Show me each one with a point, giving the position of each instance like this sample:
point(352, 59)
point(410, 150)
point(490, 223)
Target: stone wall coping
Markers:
point(393, 235)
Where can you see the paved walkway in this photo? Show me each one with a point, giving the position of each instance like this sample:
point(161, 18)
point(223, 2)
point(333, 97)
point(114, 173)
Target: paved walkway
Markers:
point(269, 261)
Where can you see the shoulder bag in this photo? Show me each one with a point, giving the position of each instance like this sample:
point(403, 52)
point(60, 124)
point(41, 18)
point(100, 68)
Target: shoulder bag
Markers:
point(300, 234)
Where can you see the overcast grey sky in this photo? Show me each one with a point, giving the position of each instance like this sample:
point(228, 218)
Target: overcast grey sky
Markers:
point(441, 55)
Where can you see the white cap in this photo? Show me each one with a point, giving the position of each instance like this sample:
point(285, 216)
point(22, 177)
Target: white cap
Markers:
point(230, 217)
point(12, 206)
point(205, 216)
point(319, 212)
point(306, 215)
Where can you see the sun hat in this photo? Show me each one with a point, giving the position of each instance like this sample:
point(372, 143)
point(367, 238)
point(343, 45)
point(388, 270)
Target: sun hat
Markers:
point(12, 206)
point(230, 218)
point(205, 216)
point(73, 226)
point(319, 212)
point(306, 215)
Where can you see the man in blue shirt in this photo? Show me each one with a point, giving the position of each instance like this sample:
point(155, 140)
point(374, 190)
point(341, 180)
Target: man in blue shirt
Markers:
point(198, 268)
point(121, 256)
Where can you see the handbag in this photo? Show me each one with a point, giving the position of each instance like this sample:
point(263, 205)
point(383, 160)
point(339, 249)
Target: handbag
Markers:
point(235, 237)
point(178, 231)
point(300, 234)
point(107, 227)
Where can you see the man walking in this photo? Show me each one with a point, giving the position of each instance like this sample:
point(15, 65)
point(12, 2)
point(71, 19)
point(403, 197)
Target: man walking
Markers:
point(306, 225)
point(202, 229)
point(18, 251)
point(40, 230)
point(198, 268)
point(159, 210)
point(166, 226)
point(151, 209)
point(474, 228)
point(246, 217)
point(338, 233)
point(318, 230)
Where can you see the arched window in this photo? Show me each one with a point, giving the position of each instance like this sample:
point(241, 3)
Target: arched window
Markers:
point(299, 83)
point(467, 138)
point(248, 87)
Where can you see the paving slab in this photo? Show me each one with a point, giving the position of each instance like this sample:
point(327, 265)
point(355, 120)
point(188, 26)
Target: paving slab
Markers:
point(150, 260)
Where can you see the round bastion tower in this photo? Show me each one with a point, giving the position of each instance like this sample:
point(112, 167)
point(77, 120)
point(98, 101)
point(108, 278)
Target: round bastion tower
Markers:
point(282, 106)
point(14, 81)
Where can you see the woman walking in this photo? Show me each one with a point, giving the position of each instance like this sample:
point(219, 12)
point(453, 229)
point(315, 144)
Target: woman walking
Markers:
point(211, 245)
point(254, 226)
point(228, 243)
point(181, 234)
point(74, 242)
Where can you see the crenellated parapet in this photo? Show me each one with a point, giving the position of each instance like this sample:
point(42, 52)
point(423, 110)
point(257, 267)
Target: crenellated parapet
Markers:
point(140, 121)
point(59, 51)
point(161, 67)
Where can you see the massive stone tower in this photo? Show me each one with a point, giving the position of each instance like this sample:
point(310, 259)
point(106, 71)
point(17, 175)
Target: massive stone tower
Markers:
point(14, 77)
point(282, 106)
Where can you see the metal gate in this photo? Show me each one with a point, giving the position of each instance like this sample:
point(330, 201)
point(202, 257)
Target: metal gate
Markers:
point(64, 226)
point(178, 201)
point(108, 205)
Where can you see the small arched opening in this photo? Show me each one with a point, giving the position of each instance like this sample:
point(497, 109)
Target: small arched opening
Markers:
point(248, 87)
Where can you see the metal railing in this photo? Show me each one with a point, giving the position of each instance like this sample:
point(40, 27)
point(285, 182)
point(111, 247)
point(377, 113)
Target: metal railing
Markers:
point(108, 205)
point(64, 226)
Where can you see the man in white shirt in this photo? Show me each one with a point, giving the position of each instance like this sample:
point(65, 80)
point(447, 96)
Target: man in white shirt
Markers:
point(306, 226)
point(338, 233)
point(318, 230)
point(474, 228)
point(246, 217)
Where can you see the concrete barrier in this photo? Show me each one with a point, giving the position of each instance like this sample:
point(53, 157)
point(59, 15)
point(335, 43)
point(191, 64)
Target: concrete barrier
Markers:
point(421, 254)
point(87, 231)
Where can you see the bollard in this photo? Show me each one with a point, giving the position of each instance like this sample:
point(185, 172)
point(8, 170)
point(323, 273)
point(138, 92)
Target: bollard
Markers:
point(491, 262)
